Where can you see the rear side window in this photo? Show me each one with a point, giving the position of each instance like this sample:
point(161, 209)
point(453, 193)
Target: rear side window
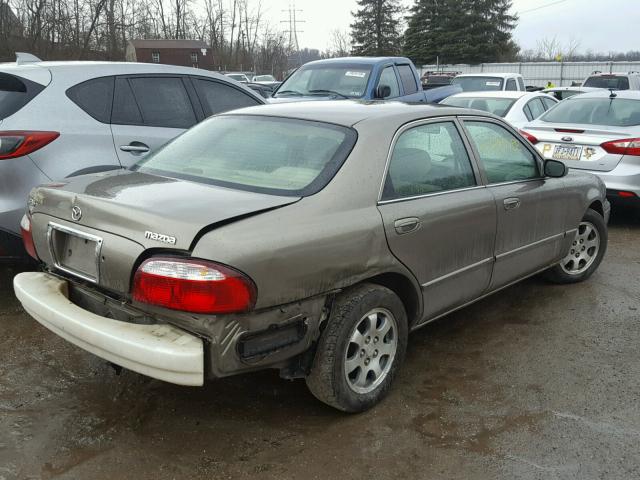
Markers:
point(125, 108)
point(536, 108)
point(163, 102)
point(607, 81)
point(388, 78)
point(521, 83)
point(217, 97)
point(408, 79)
point(95, 97)
point(15, 93)
point(548, 103)
point(428, 159)
point(511, 85)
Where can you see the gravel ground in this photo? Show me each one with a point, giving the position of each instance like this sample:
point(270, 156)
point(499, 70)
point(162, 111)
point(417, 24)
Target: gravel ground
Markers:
point(535, 382)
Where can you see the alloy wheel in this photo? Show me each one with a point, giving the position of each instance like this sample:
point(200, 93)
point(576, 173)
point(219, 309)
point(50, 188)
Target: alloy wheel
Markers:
point(584, 250)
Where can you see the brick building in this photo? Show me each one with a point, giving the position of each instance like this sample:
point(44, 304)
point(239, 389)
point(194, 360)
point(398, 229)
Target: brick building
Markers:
point(186, 53)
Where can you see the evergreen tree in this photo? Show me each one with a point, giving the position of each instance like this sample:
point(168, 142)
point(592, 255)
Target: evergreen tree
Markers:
point(460, 31)
point(375, 30)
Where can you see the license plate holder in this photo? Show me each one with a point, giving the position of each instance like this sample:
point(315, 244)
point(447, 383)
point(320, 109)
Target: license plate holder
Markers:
point(75, 252)
point(567, 152)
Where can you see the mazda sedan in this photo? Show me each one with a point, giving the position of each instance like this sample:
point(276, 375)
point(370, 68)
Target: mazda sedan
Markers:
point(308, 238)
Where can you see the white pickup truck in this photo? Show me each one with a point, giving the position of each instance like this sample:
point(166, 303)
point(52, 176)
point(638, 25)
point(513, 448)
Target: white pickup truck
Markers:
point(483, 82)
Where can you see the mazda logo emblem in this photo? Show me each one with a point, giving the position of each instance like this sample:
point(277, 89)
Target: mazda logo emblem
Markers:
point(76, 213)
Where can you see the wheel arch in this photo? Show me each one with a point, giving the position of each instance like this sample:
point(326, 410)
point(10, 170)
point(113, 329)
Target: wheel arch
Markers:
point(405, 289)
point(597, 206)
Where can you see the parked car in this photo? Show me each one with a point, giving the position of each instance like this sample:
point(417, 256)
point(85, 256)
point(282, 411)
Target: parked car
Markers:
point(517, 108)
point(431, 80)
point(597, 132)
point(365, 78)
point(265, 91)
point(615, 81)
point(562, 93)
point(486, 82)
point(268, 80)
point(60, 119)
point(238, 77)
point(312, 246)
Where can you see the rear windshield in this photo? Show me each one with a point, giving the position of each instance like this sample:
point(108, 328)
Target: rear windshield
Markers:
point(607, 81)
point(15, 93)
point(615, 112)
point(478, 84)
point(271, 155)
point(497, 106)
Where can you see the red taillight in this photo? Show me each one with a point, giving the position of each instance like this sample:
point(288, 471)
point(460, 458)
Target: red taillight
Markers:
point(626, 194)
point(27, 236)
point(533, 140)
point(191, 285)
point(14, 144)
point(627, 146)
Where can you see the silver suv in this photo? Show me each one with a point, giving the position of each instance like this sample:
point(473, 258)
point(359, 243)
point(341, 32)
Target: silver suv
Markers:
point(63, 119)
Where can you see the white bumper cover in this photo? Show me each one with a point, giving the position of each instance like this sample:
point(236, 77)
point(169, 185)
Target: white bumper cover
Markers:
point(159, 351)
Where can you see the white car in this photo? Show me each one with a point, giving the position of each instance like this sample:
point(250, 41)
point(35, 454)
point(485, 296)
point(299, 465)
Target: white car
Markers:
point(488, 82)
point(517, 108)
point(562, 93)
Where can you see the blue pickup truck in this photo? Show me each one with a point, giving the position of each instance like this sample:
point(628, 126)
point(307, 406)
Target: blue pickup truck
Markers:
point(364, 78)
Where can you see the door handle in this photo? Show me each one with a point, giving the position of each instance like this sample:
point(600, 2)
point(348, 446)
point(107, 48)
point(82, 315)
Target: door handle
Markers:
point(135, 148)
point(511, 203)
point(406, 225)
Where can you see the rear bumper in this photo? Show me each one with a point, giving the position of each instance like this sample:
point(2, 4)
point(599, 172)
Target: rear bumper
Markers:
point(159, 351)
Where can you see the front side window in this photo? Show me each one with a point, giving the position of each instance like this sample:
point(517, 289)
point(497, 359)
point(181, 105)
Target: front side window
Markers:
point(163, 102)
point(270, 155)
point(344, 80)
point(428, 159)
point(217, 97)
point(615, 112)
point(504, 157)
point(388, 79)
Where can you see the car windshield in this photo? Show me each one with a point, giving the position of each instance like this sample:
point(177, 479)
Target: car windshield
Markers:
point(271, 155)
point(615, 112)
point(347, 80)
point(497, 106)
point(264, 78)
point(607, 81)
point(478, 84)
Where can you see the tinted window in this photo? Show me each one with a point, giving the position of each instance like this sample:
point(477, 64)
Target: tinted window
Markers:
point(388, 78)
point(497, 106)
point(511, 85)
point(548, 103)
point(617, 112)
point(478, 84)
point(536, 107)
point(15, 93)
point(349, 80)
point(125, 108)
point(94, 97)
point(163, 102)
point(261, 154)
point(217, 97)
point(503, 156)
point(427, 159)
point(408, 79)
point(521, 83)
point(607, 81)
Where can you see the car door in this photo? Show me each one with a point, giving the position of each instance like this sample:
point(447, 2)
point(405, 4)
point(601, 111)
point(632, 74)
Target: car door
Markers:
point(530, 207)
point(148, 111)
point(439, 220)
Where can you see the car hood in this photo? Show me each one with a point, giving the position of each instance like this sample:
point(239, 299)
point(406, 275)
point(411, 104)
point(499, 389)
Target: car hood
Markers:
point(147, 208)
point(292, 99)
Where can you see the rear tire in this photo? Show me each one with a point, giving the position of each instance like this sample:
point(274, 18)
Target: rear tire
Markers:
point(360, 350)
point(585, 254)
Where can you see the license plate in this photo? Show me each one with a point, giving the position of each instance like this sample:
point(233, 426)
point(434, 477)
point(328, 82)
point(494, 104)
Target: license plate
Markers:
point(75, 252)
point(566, 152)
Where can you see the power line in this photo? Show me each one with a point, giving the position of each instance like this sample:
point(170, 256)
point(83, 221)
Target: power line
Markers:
point(542, 6)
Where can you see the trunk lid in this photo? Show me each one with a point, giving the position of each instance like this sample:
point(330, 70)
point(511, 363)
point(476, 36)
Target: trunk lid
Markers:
point(578, 145)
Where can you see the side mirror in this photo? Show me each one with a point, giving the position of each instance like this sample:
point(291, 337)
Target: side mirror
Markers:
point(555, 169)
point(383, 91)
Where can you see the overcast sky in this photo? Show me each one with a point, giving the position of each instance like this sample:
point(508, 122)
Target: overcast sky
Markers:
point(602, 26)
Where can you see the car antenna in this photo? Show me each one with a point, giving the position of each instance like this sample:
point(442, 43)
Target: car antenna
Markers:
point(613, 93)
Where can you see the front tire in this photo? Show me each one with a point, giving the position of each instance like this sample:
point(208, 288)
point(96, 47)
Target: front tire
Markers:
point(360, 350)
point(586, 252)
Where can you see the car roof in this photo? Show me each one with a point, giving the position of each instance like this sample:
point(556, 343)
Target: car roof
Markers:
point(489, 74)
point(614, 74)
point(572, 89)
point(494, 94)
point(350, 112)
point(359, 60)
point(605, 93)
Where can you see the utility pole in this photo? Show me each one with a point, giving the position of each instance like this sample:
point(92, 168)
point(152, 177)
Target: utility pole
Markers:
point(293, 31)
